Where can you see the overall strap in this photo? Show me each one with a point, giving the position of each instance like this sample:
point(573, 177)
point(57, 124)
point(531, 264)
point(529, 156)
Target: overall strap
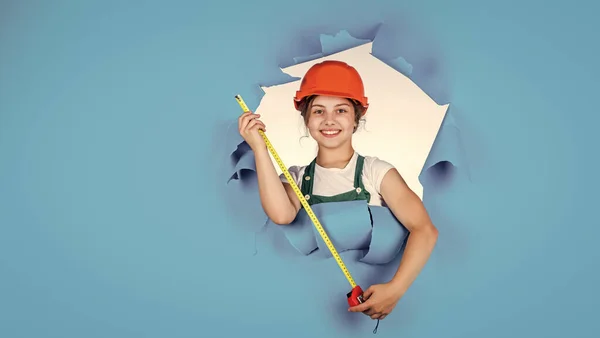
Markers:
point(358, 182)
point(360, 161)
point(308, 178)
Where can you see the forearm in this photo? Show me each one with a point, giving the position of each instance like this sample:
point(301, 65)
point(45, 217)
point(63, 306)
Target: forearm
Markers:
point(418, 249)
point(274, 198)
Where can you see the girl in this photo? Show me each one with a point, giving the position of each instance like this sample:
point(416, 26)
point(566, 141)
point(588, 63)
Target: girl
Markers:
point(331, 101)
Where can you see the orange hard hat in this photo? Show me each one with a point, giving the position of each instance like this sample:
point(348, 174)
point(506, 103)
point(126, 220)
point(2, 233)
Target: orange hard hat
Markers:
point(332, 78)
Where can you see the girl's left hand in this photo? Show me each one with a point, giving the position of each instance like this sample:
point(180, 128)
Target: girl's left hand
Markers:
point(380, 300)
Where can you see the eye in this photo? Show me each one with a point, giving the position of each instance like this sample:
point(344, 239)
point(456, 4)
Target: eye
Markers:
point(318, 111)
point(341, 110)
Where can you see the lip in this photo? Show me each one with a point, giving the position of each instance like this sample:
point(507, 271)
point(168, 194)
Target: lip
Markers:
point(330, 133)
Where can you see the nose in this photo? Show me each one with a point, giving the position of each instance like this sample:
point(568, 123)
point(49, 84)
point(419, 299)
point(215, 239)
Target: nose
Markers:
point(329, 118)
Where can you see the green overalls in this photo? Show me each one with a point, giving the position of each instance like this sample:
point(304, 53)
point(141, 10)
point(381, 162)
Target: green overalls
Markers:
point(359, 193)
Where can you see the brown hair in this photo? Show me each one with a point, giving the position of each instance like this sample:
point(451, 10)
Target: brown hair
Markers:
point(305, 105)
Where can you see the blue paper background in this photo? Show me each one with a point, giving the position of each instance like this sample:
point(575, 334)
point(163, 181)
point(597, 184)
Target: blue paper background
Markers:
point(111, 221)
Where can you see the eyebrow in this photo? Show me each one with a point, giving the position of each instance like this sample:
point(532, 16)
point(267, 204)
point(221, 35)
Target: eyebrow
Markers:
point(337, 105)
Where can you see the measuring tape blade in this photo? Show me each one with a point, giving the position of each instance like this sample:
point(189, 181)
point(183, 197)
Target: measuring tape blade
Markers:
point(305, 204)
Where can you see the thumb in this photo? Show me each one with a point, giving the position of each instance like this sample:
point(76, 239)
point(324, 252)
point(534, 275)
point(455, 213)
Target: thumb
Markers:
point(360, 307)
point(367, 294)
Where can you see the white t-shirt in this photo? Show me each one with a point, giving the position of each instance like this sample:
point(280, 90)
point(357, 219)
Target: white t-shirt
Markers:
point(334, 181)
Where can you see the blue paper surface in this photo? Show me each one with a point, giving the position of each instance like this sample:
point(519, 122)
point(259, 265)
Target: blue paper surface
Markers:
point(111, 217)
point(349, 227)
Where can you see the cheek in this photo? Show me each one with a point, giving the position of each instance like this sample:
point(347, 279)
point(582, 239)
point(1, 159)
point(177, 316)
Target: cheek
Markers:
point(347, 122)
point(313, 124)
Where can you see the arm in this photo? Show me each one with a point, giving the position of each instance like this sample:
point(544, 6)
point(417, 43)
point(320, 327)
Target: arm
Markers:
point(277, 198)
point(410, 211)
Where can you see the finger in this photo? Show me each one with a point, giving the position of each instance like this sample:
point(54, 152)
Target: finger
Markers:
point(260, 125)
point(251, 125)
point(382, 316)
point(241, 119)
point(360, 307)
point(257, 125)
point(377, 316)
point(247, 119)
point(370, 312)
point(251, 116)
point(367, 294)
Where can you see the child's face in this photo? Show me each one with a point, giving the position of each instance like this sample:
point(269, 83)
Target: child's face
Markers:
point(331, 121)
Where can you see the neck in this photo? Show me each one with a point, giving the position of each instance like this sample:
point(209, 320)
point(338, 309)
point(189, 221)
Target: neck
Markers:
point(335, 158)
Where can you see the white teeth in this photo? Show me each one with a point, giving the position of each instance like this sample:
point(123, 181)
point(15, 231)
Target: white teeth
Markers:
point(330, 132)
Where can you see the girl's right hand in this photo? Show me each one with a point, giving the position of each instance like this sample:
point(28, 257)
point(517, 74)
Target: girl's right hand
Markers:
point(248, 126)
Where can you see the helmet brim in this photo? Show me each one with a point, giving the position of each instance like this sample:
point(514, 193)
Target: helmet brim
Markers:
point(301, 96)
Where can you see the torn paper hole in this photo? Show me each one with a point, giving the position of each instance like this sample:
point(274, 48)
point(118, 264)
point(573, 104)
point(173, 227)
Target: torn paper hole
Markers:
point(401, 124)
point(414, 63)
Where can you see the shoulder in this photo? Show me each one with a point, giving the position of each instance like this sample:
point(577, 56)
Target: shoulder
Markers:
point(374, 164)
point(296, 171)
point(375, 169)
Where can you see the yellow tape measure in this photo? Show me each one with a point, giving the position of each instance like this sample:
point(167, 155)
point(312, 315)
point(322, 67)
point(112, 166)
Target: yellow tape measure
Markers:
point(307, 207)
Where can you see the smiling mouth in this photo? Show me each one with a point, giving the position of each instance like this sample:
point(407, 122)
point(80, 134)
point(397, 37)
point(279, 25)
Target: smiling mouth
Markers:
point(330, 133)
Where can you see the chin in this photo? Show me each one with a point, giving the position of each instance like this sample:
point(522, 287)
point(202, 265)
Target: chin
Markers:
point(329, 145)
point(335, 142)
